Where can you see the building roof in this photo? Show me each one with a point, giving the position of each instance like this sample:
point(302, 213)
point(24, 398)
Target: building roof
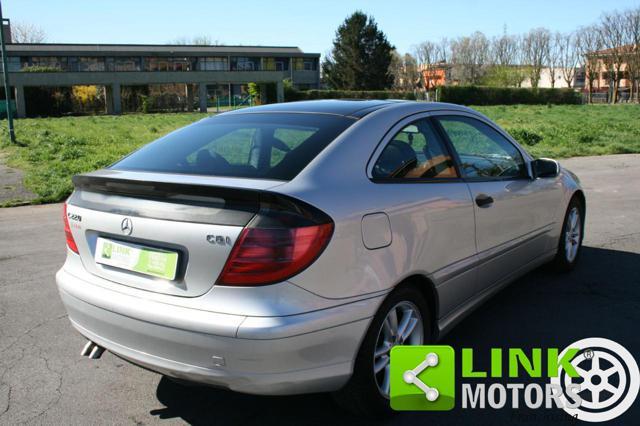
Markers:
point(624, 48)
point(142, 49)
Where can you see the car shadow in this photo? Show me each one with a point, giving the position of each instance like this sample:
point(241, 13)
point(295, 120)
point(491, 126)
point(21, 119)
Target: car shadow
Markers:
point(600, 298)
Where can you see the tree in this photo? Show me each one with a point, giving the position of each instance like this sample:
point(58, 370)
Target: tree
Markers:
point(504, 49)
point(405, 72)
point(632, 53)
point(613, 37)
point(536, 52)
point(24, 33)
point(361, 56)
point(504, 70)
point(468, 56)
point(553, 58)
point(199, 40)
point(428, 55)
point(568, 55)
point(590, 42)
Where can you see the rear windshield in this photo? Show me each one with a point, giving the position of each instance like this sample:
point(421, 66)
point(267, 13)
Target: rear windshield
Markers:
point(268, 146)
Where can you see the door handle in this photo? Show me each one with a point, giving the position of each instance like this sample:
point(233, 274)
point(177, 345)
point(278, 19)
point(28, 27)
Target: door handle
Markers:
point(484, 200)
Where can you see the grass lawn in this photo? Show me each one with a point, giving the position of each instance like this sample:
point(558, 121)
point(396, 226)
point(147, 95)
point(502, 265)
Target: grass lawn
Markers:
point(58, 148)
point(560, 131)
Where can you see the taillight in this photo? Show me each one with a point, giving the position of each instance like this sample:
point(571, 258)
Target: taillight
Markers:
point(283, 239)
point(67, 231)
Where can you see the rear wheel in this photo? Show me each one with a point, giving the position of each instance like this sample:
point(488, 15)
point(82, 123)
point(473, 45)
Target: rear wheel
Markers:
point(571, 237)
point(403, 319)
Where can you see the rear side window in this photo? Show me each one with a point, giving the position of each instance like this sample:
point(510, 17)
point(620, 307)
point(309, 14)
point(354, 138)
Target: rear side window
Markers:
point(415, 152)
point(268, 146)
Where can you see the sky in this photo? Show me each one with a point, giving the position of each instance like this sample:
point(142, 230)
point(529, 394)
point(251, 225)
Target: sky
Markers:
point(310, 25)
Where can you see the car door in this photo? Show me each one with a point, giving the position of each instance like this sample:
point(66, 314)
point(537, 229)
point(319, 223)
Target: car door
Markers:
point(429, 209)
point(513, 212)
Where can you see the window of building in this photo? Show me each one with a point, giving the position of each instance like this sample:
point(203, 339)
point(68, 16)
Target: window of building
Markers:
point(484, 153)
point(162, 63)
point(181, 64)
point(156, 64)
point(88, 63)
point(305, 64)
point(123, 63)
point(213, 64)
point(14, 64)
point(415, 152)
point(275, 64)
point(244, 63)
point(59, 62)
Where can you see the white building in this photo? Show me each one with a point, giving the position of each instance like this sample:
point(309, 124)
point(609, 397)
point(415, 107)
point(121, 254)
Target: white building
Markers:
point(545, 79)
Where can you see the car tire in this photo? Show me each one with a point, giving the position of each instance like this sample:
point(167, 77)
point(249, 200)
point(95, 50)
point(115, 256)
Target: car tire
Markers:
point(362, 395)
point(570, 243)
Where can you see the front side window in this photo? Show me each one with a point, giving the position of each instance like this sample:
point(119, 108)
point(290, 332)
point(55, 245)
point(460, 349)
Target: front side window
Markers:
point(415, 152)
point(269, 146)
point(484, 153)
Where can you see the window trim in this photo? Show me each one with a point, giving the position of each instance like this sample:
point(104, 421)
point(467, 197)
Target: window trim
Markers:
point(382, 144)
point(525, 156)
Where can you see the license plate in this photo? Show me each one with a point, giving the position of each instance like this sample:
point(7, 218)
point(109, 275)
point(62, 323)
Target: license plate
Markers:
point(137, 258)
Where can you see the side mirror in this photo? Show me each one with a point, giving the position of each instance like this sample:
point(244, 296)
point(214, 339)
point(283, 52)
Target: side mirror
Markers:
point(545, 168)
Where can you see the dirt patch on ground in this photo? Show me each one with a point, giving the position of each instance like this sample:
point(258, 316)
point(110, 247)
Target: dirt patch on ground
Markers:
point(12, 190)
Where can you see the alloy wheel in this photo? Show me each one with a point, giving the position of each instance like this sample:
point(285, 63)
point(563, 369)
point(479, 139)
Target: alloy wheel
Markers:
point(402, 326)
point(573, 229)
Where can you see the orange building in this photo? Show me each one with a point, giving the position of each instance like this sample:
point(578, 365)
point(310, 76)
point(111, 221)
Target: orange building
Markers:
point(602, 62)
point(435, 75)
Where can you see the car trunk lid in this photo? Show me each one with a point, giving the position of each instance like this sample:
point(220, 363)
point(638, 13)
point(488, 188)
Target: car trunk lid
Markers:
point(193, 221)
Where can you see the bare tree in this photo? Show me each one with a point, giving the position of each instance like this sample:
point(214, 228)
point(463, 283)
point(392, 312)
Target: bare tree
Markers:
point(405, 71)
point(632, 53)
point(553, 59)
point(469, 56)
point(199, 40)
point(612, 34)
point(503, 63)
point(536, 52)
point(444, 47)
point(25, 32)
point(590, 43)
point(504, 49)
point(427, 55)
point(569, 55)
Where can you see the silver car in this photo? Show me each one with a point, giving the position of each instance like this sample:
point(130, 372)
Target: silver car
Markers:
point(287, 248)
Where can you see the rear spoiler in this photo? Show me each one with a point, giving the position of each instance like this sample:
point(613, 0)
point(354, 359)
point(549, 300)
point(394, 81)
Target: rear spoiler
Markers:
point(166, 200)
point(210, 204)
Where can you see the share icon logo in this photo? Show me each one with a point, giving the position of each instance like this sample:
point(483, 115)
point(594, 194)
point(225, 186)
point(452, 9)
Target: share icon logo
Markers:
point(422, 378)
point(411, 376)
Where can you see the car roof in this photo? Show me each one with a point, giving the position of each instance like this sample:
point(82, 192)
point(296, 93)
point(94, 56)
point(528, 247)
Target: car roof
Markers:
point(348, 107)
point(352, 108)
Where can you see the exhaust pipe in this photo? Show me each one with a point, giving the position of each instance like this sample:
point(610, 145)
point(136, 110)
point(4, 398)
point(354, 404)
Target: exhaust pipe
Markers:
point(92, 350)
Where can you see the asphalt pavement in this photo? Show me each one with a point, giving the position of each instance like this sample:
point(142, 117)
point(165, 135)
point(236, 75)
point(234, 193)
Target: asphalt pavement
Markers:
point(43, 379)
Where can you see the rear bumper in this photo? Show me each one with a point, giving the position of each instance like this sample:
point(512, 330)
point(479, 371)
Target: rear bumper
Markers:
point(310, 352)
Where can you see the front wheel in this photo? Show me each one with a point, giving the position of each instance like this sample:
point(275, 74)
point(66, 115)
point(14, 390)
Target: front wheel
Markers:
point(403, 319)
point(571, 237)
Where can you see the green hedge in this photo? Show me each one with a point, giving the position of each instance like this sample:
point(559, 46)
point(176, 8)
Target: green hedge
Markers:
point(306, 95)
point(464, 95)
point(477, 95)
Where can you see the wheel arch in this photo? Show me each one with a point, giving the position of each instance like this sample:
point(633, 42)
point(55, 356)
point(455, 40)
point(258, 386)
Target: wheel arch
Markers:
point(579, 194)
point(428, 290)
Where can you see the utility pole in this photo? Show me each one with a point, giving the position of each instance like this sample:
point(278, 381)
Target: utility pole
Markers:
point(5, 77)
